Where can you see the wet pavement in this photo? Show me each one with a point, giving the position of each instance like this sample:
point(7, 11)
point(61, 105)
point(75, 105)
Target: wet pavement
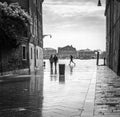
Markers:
point(72, 95)
point(46, 94)
point(85, 91)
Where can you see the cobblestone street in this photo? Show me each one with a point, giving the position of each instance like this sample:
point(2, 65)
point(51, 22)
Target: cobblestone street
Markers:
point(107, 99)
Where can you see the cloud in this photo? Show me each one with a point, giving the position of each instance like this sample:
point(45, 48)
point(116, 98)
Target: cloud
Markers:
point(66, 12)
point(73, 15)
point(78, 17)
point(73, 10)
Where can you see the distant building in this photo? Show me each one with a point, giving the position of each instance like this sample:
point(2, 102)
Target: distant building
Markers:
point(47, 52)
point(66, 51)
point(29, 54)
point(86, 54)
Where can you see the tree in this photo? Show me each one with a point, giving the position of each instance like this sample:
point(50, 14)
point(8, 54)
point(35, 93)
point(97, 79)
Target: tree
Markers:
point(13, 22)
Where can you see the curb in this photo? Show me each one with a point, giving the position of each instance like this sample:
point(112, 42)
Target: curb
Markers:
point(14, 78)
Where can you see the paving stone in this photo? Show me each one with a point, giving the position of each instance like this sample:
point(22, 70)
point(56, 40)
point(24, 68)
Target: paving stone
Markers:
point(107, 94)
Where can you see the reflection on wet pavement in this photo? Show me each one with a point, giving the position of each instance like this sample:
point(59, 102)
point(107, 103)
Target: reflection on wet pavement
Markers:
point(64, 95)
point(22, 99)
point(48, 94)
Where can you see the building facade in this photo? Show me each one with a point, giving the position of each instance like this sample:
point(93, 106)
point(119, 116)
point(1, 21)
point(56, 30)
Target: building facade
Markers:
point(29, 54)
point(47, 52)
point(66, 51)
point(112, 14)
point(86, 54)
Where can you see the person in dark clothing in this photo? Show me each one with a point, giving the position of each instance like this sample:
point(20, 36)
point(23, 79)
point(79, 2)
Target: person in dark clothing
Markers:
point(51, 61)
point(55, 58)
point(71, 59)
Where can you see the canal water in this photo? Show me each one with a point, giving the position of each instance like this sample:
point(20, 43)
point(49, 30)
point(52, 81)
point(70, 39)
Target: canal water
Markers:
point(46, 93)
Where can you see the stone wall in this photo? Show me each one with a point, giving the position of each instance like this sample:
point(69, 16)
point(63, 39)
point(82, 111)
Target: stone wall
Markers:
point(11, 59)
point(112, 34)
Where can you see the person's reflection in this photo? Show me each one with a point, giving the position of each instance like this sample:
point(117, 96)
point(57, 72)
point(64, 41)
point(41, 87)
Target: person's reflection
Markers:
point(51, 71)
point(71, 69)
point(61, 79)
point(53, 75)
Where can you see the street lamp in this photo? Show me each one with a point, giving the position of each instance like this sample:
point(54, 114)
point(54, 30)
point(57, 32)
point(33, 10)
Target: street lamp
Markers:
point(99, 3)
point(47, 35)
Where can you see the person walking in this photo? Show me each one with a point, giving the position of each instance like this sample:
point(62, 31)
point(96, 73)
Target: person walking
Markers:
point(51, 61)
point(55, 58)
point(71, 60)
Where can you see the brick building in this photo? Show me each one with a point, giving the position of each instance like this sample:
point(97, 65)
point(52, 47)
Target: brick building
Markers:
point(112, 14)
point(66, 51)
point(29, 54)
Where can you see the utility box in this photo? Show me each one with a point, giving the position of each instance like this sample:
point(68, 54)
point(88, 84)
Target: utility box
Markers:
point(61, 69)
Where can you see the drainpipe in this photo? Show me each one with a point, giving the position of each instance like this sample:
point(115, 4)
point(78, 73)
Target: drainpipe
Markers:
point(29, 37)
point(1, 60)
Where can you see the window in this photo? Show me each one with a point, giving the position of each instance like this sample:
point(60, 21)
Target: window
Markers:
point(31, 53)
point(24, 52)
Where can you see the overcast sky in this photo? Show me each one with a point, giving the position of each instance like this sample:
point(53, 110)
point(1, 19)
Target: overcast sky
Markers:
point(80, 23)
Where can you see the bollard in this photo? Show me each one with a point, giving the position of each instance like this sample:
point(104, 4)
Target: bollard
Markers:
point(61, 69)
point(104, 61)
point(97, 63)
